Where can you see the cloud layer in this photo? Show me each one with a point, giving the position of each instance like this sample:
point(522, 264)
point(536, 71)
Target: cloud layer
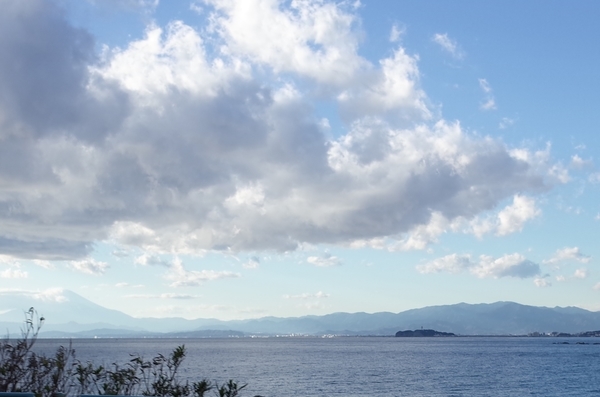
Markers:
point(175, 145)
point(513, 265)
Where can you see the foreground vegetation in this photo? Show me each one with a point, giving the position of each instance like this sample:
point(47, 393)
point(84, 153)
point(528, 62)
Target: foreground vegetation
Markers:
point(21, 369)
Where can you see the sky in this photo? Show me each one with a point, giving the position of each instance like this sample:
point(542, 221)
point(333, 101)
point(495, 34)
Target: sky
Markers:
point(240, 159)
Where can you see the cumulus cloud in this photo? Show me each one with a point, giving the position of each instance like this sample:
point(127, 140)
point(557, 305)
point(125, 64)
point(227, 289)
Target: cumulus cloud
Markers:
point(578, 274)
point(326, 260)
point(13, 273)
point(453, 263)
point(151, 260)
point(579, 163)
point(422, 236)
point(90, 266)
point(513, 217)
point(560, 173)
point(13, 269)
point(510, 219)
point(391, 91)
point(448, 45)
point(542, 282)
point(315, 39)
point(176, 145)
point(568, 254)
point(513, 265)
point(49, 93)
point(179, 276)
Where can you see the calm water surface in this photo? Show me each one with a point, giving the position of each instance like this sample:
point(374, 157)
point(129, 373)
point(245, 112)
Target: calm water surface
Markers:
point(373, 366)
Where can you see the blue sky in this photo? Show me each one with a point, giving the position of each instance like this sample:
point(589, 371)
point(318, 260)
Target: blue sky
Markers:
point(237, 159)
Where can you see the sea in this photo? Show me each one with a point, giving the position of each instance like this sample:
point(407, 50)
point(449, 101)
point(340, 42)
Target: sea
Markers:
point(372, 366)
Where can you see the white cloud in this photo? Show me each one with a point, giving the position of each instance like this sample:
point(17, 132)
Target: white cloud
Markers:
point(506, 122)
point(392, 91)
point(396, 33)
point(448, 45)
point(512, 218)
point(560, 173)
point(513, 265)
point(578, 274)
point(13, 273)
point(44, 264)
point(90, 266)
point(453, 263)
point(252, 263)
point(568, 254)
point(422, 236)
point(166, 59)
point(326, 260)
point(579, 163)
point(594, 177)
point(317, 295)
point(542, 282)
point(151, 260)
point(176, 146)
point(6, 260)
point(312, 38)
point(489, 102)
point(50, 294)
point(180, 277)
point(128, 285)
point(485, 86)
point(162, 296)
point(197, 6)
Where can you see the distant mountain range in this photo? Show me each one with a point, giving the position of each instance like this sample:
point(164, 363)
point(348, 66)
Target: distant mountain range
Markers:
point(74, 316)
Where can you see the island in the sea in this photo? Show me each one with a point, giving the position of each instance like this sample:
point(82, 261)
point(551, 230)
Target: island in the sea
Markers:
point(422, 333)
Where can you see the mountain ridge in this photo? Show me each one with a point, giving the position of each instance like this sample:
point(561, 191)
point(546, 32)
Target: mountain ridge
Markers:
point(71, 315)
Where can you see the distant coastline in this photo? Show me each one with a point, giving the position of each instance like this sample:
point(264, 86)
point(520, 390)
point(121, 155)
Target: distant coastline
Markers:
point(77, 317)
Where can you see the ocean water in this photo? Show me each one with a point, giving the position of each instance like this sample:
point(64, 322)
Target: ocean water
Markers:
point(281, 367)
